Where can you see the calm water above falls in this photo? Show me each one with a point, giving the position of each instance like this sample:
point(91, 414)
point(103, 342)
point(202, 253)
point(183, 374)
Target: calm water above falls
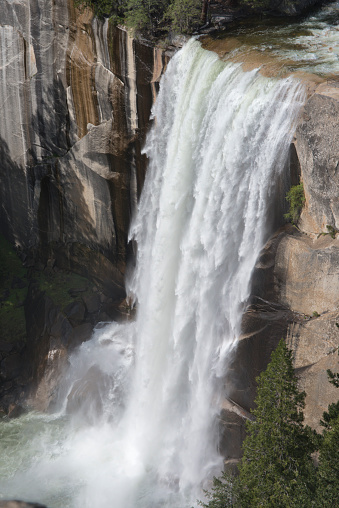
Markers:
point(310, 45)
point(137, 417)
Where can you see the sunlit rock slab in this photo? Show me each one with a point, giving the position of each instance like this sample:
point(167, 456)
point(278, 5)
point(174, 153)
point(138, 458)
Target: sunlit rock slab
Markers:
point(317, 146)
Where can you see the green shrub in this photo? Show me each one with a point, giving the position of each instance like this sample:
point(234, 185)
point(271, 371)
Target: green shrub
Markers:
point(331, 231)
point(149, 16)
point(103, 8)
point(296, 199)
point(220, 495)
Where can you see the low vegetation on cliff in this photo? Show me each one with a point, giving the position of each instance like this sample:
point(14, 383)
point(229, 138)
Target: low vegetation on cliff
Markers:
point(277, 469)
point(296, 200)
point(158, 17)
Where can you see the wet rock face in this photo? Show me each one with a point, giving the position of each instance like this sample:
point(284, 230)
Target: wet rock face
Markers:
point(75, 97)
point(53, 331)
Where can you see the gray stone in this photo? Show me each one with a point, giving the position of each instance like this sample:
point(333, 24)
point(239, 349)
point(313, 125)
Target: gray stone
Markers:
point(75, 313)
point(81, 333)
point(92, 303)
point(294, 277)
point(317, 146)
point(6, 346)
point(72, 170)
point(11, 366)
point(16, 410)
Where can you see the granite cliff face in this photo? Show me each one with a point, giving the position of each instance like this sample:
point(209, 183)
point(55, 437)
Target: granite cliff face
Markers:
point(73, 123)
point(75, 100)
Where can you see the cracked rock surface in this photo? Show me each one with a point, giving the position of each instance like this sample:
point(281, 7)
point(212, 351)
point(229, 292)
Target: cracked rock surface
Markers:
point(75, 99)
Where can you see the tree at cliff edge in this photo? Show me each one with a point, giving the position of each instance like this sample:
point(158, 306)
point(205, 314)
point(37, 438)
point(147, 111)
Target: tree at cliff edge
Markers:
point(328, 470)
point(276, 469)
point(145, 15)
point(184, 15)
point(152, 17)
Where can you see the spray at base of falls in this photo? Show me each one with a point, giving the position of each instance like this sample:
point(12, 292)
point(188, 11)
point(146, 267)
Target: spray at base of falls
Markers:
point(142, 397)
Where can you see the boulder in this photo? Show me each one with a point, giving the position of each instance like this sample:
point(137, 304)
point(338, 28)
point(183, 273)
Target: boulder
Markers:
point(75, 312)
point(92, 303)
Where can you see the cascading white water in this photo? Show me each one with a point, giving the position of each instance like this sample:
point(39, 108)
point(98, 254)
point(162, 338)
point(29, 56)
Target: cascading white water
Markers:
point(143, 396)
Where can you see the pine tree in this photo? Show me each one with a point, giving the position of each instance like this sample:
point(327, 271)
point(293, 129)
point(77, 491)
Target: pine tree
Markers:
point(184, 15)
point(220, 495)
point(145, 15)
point(276, 470)
point(328, 470)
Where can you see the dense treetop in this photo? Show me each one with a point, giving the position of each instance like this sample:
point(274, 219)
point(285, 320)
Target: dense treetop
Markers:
point(278, 469)
point(158, 17)
point(151, 16)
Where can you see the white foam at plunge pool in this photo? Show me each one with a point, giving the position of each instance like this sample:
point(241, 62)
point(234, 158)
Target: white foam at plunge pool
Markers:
point(142, 397)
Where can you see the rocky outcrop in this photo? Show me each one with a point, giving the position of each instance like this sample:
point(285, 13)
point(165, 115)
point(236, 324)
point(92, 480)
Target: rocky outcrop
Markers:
point(288, 8)
point(295, 283)
point(317, 147)
point(294, 294)
point(60, 311)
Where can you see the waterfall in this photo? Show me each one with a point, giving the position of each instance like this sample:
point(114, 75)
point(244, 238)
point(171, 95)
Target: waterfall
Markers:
point(143, 396)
